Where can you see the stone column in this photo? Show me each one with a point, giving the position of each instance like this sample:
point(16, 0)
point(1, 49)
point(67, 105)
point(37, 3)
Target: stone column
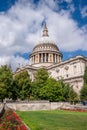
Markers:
point(48, 57)
point(34, 58)
point(41, 57)
point(38, 58)
point(45, 57)
point(55, 58)
point(58, 58)
point(52, 58)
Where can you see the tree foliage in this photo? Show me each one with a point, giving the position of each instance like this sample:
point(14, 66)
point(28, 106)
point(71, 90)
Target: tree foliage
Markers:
point(55, 90)
point(85, 76)
point(23, 85)
point(43, 87)
point(47, 88)
point(41, 77)
point(65, 90)
point(83, 93)
point(52, 90)
point(6, 79)
point(14, 90)
point(73, 97)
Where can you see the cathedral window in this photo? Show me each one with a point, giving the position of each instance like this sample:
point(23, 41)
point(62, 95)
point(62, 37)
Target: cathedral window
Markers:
point(75, 69)
point(57, 70)
point(39, 57)
point(51, 57)
point(66, 67)
point(36, 58)
point(67, 75)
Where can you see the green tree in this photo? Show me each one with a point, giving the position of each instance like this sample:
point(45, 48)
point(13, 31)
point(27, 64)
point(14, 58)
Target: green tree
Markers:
point(85, 76)
point(6, 79)
point(83, 92)
point(73, 97)
point(52, 91)
point(3, 91)
point(47, 88)
point(83, 95)
point(14, 90)
point(23, 85)
point(41, 77)
point(65, 90)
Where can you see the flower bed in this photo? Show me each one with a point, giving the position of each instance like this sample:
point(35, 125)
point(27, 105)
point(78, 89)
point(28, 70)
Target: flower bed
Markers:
point(11, 121)
point(76, 110)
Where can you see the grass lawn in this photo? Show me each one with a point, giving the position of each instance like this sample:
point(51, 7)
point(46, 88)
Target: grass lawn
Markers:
point(55, 120)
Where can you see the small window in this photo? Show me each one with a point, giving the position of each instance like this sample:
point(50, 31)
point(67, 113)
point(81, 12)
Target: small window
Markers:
point(57, 70)
point(67, 75)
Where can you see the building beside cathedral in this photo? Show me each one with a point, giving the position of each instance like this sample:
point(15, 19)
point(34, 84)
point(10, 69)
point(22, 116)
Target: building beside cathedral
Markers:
point(46, 54)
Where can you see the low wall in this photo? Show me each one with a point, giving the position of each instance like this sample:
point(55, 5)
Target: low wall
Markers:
point(34, 106)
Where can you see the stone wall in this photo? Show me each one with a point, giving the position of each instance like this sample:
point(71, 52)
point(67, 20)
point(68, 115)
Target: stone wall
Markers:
point(35, 106)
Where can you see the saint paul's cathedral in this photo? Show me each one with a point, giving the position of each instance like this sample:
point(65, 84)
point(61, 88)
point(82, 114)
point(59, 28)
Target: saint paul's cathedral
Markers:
point(46, 54)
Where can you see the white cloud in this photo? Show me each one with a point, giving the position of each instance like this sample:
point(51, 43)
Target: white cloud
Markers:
point(53, 4)
point(68, 1)
point(21, 28)
point(84, 11)
point(13, 61)
point(71, 7)
point(61, 1)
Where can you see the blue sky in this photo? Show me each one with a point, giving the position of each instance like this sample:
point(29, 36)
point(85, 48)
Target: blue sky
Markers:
point(21, 25)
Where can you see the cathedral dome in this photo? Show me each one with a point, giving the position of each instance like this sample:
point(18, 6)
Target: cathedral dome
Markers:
point(46, 52)
point(46, 47)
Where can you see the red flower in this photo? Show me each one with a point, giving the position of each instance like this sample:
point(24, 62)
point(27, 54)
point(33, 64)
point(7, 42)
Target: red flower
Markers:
point(11, 121)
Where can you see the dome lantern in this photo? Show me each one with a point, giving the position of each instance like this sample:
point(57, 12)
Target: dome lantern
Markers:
point(45, 31)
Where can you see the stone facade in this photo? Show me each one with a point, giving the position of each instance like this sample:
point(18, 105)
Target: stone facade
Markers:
point(46, 54)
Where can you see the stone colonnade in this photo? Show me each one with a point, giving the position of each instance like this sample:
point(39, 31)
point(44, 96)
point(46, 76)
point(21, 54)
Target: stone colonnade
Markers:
point(45, 57)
